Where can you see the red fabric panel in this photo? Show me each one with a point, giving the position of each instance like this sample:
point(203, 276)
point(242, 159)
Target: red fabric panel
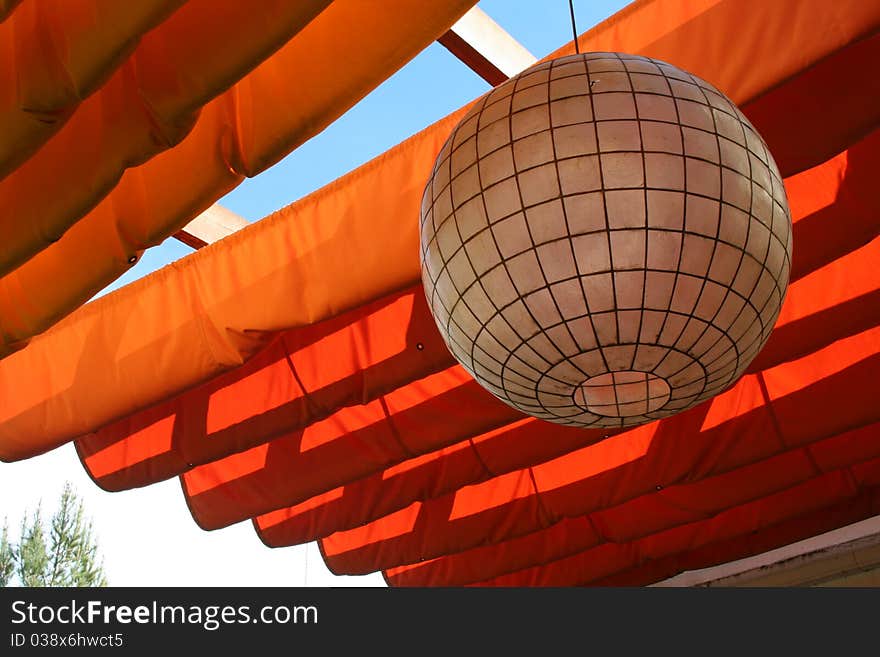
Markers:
point(736, 428)
point(303, 376)
point(374, 349)
point(860, 507)
point(7, 7)
point(816, 106)
point(515, 503)
point(649, 514)
point(772, 113)
point(839, 300)
point(351, 444)
point(510, 447)
point(815, 114)
point(834, 206)
point(820, 504)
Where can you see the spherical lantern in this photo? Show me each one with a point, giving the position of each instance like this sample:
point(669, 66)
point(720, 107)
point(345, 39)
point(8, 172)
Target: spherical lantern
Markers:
point(605, 240)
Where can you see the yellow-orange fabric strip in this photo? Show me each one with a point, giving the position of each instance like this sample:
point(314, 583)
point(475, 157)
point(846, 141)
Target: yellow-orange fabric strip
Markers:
point(148, 105)
point(287, 99)
point(53, 55)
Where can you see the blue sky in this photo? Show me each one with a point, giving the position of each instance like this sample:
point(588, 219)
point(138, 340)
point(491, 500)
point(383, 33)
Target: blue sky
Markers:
point(147, 536)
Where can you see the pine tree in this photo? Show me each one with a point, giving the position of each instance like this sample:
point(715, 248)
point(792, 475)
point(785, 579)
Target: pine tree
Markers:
point(64, 554)
point(7, 557)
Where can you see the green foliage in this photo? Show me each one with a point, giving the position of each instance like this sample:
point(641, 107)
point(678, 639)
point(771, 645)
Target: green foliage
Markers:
point(63, 554)
point(7, 557)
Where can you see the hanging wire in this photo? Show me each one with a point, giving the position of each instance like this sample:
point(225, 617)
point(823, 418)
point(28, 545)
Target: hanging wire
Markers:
point(574, 31)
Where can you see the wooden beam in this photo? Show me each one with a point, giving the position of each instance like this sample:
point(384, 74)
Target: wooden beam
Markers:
point(856, 563)
point(486, 48)
point(848, 556)
point(213, 224)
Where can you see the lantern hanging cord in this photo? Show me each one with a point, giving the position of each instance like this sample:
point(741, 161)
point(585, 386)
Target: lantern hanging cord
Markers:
point(574, 31)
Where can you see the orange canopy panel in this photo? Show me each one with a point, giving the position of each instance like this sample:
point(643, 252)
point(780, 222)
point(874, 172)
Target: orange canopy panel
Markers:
point(763, 415)
point(150, 103)
point(745, 463)
point(146, 109)
point(853, 508)
point(309, 373)
point(828, 500)
point(321, 405)
point(219, 305)
point(123, 334)
point(518, 444)
point(784, 62)
point(800, 414)
point(53, 55)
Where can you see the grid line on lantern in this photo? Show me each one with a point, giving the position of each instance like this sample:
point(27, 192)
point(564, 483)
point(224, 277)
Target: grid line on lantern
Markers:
point(684, 224)
point(607, 223)
point(721, 195)
point(519, 188)
point(765, 326)
point(705, 102)
point(485, 151)
point(567, 221)
point(644, 290)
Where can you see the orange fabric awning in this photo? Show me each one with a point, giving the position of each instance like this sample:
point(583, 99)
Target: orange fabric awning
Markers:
point(148, 104)
point(145, 110)
point(741, 430)
point(311, 373)
point(53, 55)
point(218, 303)
point(523, 442)
point(232, 320)
point(281, 388)
point(821, 503)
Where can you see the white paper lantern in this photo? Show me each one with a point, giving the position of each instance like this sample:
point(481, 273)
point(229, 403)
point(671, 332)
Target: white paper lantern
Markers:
point(605, 240)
